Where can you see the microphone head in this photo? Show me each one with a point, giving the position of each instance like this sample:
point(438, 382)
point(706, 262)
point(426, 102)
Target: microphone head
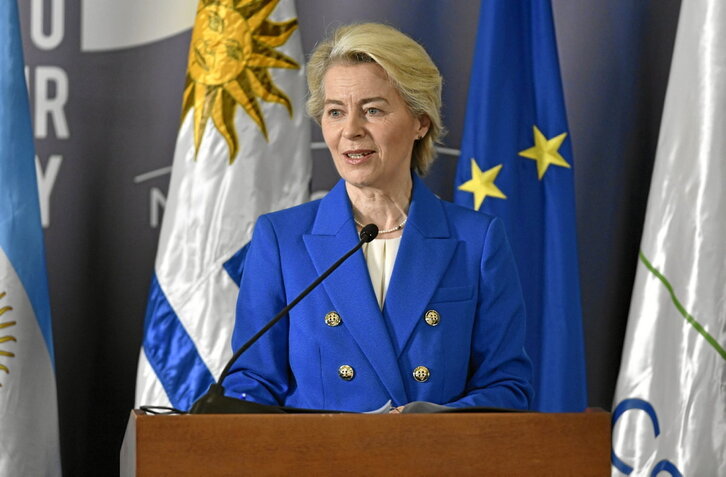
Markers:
point(368, 233)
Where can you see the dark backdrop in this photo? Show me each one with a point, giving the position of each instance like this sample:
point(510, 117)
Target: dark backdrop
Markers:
point(121, 108)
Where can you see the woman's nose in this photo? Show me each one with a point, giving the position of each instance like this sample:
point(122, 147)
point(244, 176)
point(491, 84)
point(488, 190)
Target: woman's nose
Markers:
point(353, 126)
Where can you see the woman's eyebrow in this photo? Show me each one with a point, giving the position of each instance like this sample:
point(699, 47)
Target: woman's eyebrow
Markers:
point(362, 101)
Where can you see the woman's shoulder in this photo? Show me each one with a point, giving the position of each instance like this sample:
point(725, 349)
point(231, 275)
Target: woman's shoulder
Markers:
point(466, 217)
point(458, 216)
point(293, 218)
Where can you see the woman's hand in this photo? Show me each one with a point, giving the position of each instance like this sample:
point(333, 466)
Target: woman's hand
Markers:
point(396, 410)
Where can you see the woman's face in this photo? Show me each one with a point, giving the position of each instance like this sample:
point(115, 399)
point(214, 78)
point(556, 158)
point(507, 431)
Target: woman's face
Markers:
point(368, 127)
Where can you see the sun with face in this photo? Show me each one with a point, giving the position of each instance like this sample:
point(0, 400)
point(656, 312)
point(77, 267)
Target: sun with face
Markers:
point(6, 338)
point(232, 48)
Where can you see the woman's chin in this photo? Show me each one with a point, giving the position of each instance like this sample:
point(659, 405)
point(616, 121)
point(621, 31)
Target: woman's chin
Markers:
point(359, 183)
point(358, 177)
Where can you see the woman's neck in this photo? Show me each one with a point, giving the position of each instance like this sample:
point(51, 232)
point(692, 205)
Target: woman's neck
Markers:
point(387, 209)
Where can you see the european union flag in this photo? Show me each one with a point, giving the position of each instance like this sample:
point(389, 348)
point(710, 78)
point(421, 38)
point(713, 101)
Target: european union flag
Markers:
point(516, 163)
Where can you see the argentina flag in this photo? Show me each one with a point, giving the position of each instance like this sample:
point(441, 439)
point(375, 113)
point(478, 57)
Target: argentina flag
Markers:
point(243, 149)
point(516, 163)
point(28, 406)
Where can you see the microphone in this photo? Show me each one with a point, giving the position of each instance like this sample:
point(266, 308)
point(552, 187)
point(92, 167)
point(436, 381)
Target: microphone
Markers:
point(368, 233)
point(215, 402)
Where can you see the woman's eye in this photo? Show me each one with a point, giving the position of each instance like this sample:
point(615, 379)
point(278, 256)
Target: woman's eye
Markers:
point(373, 111)
point(334, 113)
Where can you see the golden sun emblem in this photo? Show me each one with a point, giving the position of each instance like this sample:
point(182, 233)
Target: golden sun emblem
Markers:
point(5, 339)
point(231, 49)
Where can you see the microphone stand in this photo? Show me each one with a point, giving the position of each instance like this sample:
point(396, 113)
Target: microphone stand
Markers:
point(215, 402)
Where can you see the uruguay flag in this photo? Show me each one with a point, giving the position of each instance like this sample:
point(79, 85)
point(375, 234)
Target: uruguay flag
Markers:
point(516, 163)
point(28, 406)
point(243, 149)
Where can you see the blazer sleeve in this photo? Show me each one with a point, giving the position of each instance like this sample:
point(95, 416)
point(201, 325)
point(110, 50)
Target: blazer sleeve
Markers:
point(500, 372)
point(261, 374)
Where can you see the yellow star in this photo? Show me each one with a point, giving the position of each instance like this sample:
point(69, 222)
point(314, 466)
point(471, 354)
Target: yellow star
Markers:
point(545, 152)
point(481, 184)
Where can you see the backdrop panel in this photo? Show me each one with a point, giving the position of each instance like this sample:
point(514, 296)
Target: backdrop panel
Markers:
point(106, 84)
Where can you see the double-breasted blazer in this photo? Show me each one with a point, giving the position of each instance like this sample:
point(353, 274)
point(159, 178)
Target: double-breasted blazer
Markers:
point(452, 261)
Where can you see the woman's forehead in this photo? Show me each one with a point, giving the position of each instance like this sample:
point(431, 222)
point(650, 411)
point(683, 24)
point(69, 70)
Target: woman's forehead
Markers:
point(358, 81)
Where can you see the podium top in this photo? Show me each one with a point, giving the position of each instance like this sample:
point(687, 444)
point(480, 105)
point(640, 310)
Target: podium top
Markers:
point(362, 444)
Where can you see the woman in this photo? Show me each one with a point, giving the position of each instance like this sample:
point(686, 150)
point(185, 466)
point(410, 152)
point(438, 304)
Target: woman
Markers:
point(445, 324)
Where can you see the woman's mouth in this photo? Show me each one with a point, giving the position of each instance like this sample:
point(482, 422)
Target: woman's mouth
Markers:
point(356, 157)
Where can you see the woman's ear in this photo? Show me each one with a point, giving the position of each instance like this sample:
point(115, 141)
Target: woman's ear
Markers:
point(424, 123)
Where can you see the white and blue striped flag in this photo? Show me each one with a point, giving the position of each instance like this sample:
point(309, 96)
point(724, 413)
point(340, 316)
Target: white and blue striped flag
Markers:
point(243, 149)
point(28, 405)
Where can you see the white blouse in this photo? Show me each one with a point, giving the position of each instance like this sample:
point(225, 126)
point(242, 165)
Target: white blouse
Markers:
point(380, 256)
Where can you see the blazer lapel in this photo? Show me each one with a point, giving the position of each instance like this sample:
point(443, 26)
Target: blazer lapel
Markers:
point(423, 257)
point(349, 287)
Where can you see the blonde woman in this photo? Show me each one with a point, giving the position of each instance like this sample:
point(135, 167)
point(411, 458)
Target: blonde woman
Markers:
point(431, 310)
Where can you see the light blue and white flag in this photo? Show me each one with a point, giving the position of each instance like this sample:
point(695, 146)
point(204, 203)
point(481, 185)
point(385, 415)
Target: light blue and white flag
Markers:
point(243, 149)
point(669, 415)
point(28, 406)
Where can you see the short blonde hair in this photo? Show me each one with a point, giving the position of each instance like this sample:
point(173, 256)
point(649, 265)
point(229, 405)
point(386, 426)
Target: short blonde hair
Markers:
point(408, 66)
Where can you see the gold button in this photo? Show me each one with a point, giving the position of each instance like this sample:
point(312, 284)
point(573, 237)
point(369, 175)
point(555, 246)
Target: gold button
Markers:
point(421, 374)
point(432, 317)
point(346, 372)
point(332, 319)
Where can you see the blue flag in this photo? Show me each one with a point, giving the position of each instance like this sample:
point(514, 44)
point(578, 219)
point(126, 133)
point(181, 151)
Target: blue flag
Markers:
point(29, 442)
point(516, 163)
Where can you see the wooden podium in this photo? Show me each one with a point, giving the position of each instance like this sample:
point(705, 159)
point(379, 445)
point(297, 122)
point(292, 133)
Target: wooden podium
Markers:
point(481, 444)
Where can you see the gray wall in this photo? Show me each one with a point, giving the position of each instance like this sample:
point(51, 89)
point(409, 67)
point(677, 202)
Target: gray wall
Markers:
point(122, 111)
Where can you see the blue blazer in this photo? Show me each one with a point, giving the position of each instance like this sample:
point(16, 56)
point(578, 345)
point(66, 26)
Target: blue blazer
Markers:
point(451, 259)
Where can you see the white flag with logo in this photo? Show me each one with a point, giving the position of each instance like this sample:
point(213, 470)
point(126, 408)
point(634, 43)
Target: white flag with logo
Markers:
point(28, 409)
point(243, 149)
point(669, 413)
